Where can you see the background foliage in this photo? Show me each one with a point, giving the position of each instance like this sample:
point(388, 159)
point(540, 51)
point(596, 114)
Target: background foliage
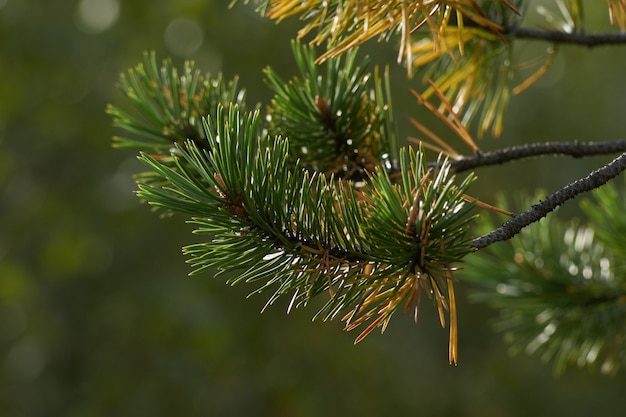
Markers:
point(97, 315)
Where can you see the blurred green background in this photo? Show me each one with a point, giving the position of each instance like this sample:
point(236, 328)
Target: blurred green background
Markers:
point(97, 314)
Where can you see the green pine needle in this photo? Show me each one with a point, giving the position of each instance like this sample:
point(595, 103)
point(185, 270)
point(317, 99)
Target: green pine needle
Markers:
point(569, 308)
point(606, 212)
point(292, 232)
point(311, 208)
point(169, 105)
point(338, 121)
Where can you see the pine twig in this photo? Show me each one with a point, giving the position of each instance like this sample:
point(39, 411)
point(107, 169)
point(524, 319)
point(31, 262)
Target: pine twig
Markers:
point(536, 212)
point(593, 40)
point(573, 149)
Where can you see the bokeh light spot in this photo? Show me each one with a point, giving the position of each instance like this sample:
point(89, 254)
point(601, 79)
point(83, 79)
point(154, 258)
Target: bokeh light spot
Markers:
point(95, 16)
point(183, 37)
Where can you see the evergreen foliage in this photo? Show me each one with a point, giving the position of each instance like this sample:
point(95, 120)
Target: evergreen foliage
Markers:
point(171, 105)
point(293, 226)
point(315, 197)
point(337, 122)
point(561, 293)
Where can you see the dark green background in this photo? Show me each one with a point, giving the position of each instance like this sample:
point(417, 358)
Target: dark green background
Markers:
point(97, 314)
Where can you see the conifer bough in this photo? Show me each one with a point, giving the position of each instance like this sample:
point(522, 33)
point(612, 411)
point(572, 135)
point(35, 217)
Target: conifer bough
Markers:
point(298, 227)
point(316, 198)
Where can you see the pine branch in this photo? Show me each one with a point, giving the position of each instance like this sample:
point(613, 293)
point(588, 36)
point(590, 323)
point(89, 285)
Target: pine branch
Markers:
point(536, 212)
point(274, 198)
point(373, 250)
point(560, 37)
point(271, 218)
point(573, 149)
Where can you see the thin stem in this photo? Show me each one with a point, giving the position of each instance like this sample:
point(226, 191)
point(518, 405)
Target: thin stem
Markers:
point(573, 149)
point(603, 39)
point(536, 212)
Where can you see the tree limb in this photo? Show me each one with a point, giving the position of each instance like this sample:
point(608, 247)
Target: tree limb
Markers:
point(537, 211)
point(573, 149)
point(603, 39)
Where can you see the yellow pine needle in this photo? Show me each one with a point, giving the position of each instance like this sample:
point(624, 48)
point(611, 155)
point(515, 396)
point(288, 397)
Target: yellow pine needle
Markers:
point(418, 297)
point(455, 124)
point(351, 41)
point(414, 295)
point(392, 298)
point(498, 125)
point(453, 342)
point(282, 9)
point(405, 39)
point(464, 92)
point(385, 322)
point(424, 45)
point(481, 20)
point(459, 75)
point(440, 303)
point(612, 17)
point(481, 204)
point(423, 22)
point(369, 329)
point(431, 49)
point(551, 55)
point(376, 296)
point(426, 58)
point(347, 24)
point(460, 32)
point(440, 33)
point(491, 112)
point(358, 310)
point(431, 146)
point(433, 109)
point(459, 127)
point(362, 319)
point(384, 314)
point(348, 319)
point(617, 13)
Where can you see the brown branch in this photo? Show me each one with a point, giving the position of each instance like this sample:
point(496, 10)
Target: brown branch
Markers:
point(536, 212)
point(573, 149)
point(603, 39)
